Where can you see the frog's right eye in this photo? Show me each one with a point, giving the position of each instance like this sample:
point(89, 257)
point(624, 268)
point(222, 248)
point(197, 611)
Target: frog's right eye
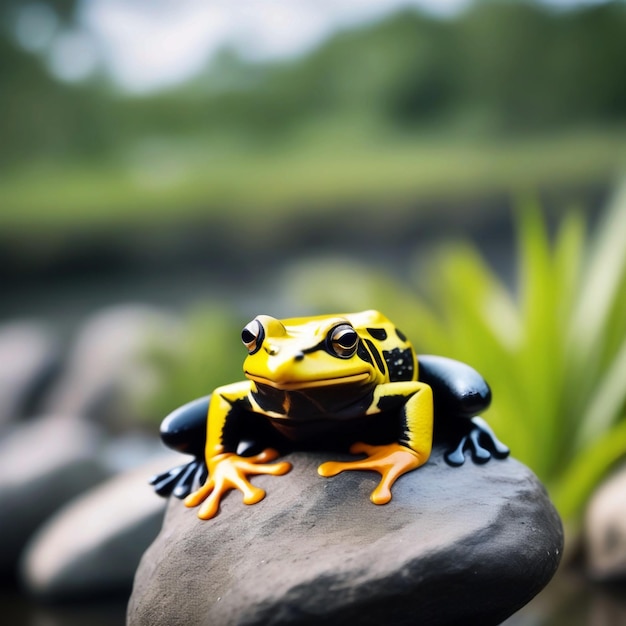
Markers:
point(343, 341)
point(252, 336)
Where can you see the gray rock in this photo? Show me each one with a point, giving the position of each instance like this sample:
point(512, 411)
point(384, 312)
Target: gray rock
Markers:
point(129, 450)
point(605, 530)
point(29, 357)
point(93, 544)
point(608, 607)
point(108, 368)
point(465, 545)
point(43, 463)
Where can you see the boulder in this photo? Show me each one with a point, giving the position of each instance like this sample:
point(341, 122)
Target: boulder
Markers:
point(43, 463)
point(467, 545)
point(605, 530)
point(93, 544)
point(29, 357)
point(108, 367)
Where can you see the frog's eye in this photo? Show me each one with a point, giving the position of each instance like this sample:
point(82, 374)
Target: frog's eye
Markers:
point(252, 336)
point(343, 341)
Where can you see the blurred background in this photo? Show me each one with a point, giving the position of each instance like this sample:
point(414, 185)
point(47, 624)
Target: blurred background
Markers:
point(190, 150)
point(168, 170)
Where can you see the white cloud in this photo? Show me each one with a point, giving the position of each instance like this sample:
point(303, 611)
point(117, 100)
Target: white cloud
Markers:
point(150, 44)
point(153, 46)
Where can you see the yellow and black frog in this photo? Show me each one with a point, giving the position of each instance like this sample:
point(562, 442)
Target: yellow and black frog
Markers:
point(331, 382)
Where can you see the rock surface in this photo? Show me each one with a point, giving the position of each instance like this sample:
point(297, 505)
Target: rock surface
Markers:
point(93, 544)
point(465, 545)
point(43, 463)
point(605, 530)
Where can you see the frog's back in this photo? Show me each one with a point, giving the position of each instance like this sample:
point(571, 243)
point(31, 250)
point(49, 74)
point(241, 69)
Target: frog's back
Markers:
point(382, 335)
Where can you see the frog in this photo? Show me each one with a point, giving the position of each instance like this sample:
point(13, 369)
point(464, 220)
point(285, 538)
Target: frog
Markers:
point(338, 382)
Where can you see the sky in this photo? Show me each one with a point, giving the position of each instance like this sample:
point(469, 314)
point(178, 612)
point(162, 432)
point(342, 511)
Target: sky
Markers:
point(147, 45)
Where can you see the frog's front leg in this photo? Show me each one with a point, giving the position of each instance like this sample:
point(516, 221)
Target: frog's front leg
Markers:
point(395, 459)
point(228, 470)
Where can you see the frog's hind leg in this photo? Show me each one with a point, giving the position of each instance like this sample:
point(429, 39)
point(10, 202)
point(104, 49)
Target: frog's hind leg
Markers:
point(482, 443)
point(184, 430)
point(181, 480)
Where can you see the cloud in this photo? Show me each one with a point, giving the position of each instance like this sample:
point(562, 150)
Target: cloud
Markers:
point(151, 44)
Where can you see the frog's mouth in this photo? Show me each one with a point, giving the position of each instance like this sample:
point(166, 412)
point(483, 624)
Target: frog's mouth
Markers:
point(308, 384)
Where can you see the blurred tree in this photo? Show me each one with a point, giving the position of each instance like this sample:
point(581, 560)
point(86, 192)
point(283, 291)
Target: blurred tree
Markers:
point(498, 67)
point(517, 65)
point(528, 67)
point(40, 116)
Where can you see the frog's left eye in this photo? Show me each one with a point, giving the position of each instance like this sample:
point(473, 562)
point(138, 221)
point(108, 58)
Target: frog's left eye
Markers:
point(343, 341)
point(252, 336)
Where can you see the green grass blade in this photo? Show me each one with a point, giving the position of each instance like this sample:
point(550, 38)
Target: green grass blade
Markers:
point(602, 278)
point(586, 469)
point(607, 402)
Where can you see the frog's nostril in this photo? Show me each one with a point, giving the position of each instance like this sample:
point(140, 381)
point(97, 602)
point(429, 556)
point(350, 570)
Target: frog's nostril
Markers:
point(271, 350)
point(298, 356)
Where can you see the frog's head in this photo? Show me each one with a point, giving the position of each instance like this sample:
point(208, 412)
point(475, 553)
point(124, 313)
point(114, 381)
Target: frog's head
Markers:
point(306, 352)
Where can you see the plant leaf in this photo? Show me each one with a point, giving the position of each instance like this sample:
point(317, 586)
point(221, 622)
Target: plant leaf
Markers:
point(586, 469)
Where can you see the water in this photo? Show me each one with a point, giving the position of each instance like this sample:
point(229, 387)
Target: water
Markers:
point(571, 600)
point(19, 610)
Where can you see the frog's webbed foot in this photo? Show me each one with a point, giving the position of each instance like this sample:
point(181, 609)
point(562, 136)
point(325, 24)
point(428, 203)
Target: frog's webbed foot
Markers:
point(229, 471)
point(179, 481)
point(481, 441)
point(389, 460)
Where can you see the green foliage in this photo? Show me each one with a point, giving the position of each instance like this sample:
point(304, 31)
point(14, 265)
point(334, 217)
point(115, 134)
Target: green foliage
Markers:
point(554, 352)
point(167, 183)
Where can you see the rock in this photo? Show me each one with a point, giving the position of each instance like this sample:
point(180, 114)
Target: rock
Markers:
point(129, 450)
point(608, 607)
point(605, 530)
point(43, 463)
point(465, 545)
point(109, 366)
point(29, 357)
point(93, 544)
